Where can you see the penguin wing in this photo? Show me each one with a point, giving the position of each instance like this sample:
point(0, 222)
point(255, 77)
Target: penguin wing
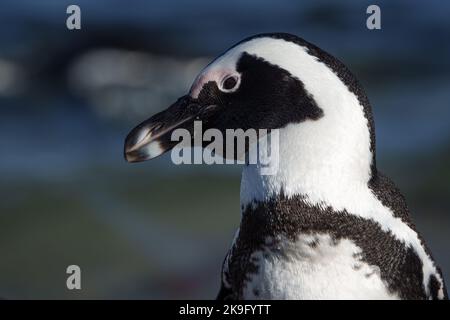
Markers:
point(225, 291)
point(390, 196)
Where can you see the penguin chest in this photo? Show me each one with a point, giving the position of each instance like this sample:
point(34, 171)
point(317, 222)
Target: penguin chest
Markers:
point(312, 267)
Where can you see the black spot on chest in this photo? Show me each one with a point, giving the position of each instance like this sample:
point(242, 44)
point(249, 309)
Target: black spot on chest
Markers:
point(400, 267)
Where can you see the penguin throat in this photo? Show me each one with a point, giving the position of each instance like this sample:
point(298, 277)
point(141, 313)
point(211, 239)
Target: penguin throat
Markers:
point(323, 161)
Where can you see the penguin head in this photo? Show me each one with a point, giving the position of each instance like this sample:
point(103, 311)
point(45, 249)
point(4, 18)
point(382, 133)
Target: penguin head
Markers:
point(268, 81)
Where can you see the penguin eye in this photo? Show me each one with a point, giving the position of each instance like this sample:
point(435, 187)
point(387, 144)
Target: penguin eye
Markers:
point(229, 83)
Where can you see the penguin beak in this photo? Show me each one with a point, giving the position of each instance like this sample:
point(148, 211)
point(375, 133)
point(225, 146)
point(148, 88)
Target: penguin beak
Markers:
point(152, 137)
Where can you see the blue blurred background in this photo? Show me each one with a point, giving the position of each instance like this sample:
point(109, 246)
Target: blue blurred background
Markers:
point(156, 230)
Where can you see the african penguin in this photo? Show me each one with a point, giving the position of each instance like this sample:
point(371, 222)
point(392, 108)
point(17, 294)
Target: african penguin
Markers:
point(327, 224)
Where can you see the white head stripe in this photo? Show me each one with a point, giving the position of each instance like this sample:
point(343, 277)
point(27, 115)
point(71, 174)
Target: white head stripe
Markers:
point(327, 160)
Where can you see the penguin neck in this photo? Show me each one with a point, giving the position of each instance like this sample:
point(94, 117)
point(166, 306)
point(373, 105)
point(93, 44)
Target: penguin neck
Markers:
point(326, 162)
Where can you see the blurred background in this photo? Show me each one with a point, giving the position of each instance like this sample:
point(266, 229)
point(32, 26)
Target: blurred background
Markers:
point(154, 229)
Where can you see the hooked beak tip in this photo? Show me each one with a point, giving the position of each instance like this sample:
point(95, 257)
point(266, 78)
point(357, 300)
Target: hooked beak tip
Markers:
point(131, 157)
point(135, 144)
point(143, 151)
